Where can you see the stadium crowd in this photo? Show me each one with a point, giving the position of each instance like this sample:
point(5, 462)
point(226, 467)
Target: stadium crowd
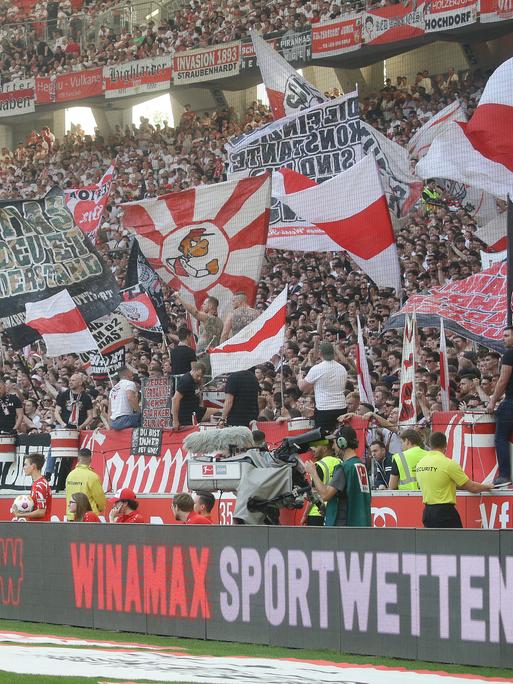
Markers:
point(436, 243)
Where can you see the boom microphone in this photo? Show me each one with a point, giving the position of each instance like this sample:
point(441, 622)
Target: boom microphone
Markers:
point(224, 439)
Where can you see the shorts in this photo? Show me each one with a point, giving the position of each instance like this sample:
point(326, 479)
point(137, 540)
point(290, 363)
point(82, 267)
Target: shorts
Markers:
point(441, 515)
point(327, 420)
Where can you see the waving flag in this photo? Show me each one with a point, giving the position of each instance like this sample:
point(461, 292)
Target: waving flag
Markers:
point(209, 241)
point(407, 395)
point(61, 325)
point(352, 210)
point(138, 309)
point(421, 142)
point(480, 152)
point(494, 232)
point(256, 343)
point(288, 91)
point(362, 369)
point(87, 204)
point(444, 368)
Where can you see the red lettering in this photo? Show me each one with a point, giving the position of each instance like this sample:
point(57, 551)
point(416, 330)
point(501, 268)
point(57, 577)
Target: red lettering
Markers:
point(133, 584)
point(199, 571)
point(177, 597)
point(114, 577)
point(82, 566)
point(100, 576)
point(11, 559)
point(154, 580)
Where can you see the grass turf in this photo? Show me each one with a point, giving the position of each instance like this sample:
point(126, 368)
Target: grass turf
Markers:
point(223, 648)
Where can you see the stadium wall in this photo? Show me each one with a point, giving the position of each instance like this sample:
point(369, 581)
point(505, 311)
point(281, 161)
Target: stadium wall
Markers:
point(436, 595)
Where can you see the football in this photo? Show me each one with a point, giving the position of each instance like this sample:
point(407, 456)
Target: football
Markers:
point(23, 503)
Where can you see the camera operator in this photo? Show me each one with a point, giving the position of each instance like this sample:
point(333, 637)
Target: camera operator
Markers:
point(347, 494)
point(325, 464)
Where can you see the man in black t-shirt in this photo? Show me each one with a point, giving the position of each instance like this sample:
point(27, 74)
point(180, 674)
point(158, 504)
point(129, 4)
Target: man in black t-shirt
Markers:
point(186, 399)
point(183, 355)
point(11, 410)
point(241, 402)
point(74, 406)
point(504, 412)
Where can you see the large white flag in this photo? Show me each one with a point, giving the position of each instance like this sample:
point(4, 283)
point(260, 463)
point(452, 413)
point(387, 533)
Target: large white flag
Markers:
point(494, 233)
point(480, 152)
point(256, 343)
point(444, 368)
point(407, 394)
point(352, 210)
point(362, 367)
point(61, 325)
point(421, 142)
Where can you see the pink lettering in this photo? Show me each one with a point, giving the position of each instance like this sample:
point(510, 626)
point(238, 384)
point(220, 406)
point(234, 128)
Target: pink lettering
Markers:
point(471, 598)
point(299, 580)
point(355, 588)
point(251, 578)
point(323, 562)
point(500, 594)
point(274, 565)
point(229, 600)
point(415, 565)
point(387, 563)
point(443, 567)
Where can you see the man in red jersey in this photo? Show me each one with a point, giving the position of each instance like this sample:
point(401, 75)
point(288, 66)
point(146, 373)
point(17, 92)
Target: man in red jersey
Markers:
point(183, 509)
point(125, 508)
point(40, 492)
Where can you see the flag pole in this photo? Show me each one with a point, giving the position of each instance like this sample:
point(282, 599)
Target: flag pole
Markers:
point(106, 368)
point(509, 278)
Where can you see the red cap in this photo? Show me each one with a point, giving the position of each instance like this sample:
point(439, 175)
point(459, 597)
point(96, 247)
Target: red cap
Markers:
point(124, 495)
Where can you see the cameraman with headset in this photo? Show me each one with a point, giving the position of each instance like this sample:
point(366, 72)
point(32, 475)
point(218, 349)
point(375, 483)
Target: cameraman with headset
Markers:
point(347, 494)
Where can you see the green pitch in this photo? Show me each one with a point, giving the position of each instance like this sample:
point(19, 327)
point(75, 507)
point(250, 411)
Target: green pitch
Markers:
point(216, 648)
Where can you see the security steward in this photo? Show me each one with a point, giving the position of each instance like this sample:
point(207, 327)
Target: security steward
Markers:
point(438, 477)
point(402, 475)
point(431, 197)
point(83, 479)
point(325, 462)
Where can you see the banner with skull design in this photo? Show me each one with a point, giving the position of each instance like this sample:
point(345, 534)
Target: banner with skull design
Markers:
point(207, 241)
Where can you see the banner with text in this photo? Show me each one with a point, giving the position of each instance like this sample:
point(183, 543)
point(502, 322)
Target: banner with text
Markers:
point(294, 46)
point(495, 10)
point(337, 37)
point(78, 85)
point(207, 64)
point(393, 23)
point(140, 76)
point(444, 15)
point(156, 395)
point(17, 97)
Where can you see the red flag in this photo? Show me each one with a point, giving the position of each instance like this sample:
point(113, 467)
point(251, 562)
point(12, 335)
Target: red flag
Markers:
point(138, 309)
point(407, 395)
point(87, 204)
point(362, 368)
point(444, 368)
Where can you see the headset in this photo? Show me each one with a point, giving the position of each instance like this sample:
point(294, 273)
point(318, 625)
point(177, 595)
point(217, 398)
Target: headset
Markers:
point(341, 442)
point(346, 441)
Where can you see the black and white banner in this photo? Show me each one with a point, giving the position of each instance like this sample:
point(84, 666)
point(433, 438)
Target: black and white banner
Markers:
point(43, 252)
point(318, 142)
point(102, 366)
point(17, 97)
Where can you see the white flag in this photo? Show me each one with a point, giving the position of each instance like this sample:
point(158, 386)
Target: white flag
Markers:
point(421, 142)
point(61, 325)
point(256, 343)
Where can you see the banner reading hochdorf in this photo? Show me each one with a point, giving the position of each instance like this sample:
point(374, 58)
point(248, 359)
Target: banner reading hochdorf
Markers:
point(442, 15)
point(17, 97)
point(208, 64)
point(140, 76)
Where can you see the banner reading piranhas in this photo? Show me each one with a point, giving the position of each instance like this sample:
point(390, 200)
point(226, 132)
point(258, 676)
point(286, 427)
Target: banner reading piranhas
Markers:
point(337, 37)
point(443, 15)
point(207, 64)
point(17, 97)
point(140, 76)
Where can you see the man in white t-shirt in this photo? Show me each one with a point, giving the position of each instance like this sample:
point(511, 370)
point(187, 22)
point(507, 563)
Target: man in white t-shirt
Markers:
point(124, 409)
point(328, 382)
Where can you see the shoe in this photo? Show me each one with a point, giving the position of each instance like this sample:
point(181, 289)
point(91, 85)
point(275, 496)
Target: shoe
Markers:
point(501, 481)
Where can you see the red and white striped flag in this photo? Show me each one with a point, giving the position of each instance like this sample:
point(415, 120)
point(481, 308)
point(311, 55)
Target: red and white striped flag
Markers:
point(352, 210)
point(480, 152)
point(494, 233)
point(421, 142)
point(61, 325)
point(256, 343)
point(362, 368)
point(444, 368)
point(407, 394)
point(87, 204)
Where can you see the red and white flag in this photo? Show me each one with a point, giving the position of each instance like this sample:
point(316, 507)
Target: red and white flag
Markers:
point(60, 324)
point(288, 91)
point(421, 142)
point(362, 369)
point(87, 204)
point(138, 309)
point(351, 209)
point(480, 152)
point(256, 343)
point(444, 368)
point(494, 233)
point(407, 394)
point(208, 241)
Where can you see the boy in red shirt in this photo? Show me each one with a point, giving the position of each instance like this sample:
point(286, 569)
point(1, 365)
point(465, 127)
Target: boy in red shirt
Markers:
point(125, 508)
point(40, 492)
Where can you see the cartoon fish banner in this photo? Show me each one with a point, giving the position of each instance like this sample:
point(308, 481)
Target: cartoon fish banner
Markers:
point(207, 241)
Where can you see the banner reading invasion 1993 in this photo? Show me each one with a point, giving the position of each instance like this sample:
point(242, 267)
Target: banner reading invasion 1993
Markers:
point(318, 142)
point(43, 252)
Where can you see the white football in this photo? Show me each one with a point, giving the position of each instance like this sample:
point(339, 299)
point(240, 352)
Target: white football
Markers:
point(23, 503)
